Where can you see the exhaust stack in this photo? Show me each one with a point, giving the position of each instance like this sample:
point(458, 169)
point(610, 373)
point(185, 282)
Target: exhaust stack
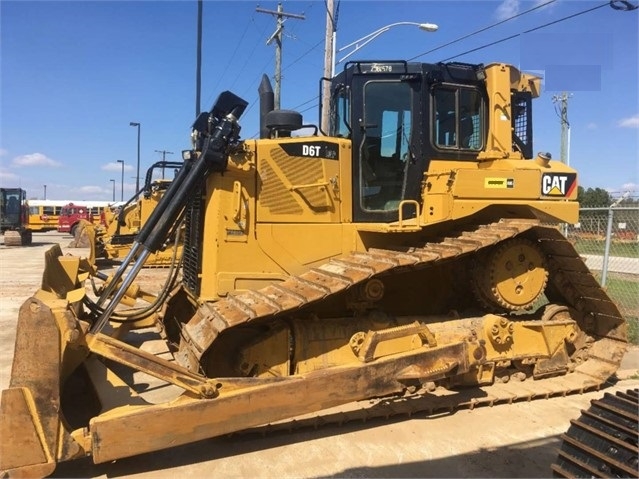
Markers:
point(267, 104)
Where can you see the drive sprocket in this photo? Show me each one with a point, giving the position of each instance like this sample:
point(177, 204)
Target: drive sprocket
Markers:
point(512, 276)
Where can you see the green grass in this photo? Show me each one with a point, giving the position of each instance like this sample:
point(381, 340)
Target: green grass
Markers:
point(633, 330)
point(624, 291)
point(617, 248)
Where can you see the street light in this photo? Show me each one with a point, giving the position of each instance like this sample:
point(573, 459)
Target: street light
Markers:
point(122, 181)
point(45, 192)
point(357, 44)
point(360, 42)
point(113, 181)
point(137, 176)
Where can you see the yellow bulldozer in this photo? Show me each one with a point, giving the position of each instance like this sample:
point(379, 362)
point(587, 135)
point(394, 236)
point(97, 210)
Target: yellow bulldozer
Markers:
point(114, 241)
point(413, 250)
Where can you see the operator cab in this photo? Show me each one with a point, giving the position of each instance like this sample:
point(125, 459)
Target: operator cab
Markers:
point(12, 211)
point(401, 116)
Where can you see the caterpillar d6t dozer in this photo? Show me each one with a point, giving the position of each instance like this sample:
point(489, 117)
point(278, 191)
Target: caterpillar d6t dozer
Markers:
point(413, 250)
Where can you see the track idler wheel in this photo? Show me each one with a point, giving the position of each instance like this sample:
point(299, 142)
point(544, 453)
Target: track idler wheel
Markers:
point(510, 277)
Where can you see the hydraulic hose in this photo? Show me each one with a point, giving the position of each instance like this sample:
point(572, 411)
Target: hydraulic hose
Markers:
point(223, 132)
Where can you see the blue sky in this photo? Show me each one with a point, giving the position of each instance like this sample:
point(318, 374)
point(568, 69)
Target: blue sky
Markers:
point(74, 74)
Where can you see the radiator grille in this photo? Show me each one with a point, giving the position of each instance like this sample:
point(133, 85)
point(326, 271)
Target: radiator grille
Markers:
point(192, 252)
point(275, 194)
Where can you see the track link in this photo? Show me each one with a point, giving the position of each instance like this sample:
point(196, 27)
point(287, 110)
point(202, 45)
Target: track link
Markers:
point(603, 442)
point(570, 283)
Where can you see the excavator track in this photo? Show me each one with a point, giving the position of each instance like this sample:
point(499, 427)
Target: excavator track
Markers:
point(567, 273)
point(603, 441)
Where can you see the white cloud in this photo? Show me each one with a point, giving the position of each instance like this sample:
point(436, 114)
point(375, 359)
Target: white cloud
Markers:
point(511, 8)
point(507, 9)
point(591, 126)
point(35, 159)
point(3, 152)
point(115, 166)
point(8, 176)
point(90, 190)
point(630, 187)
point(630, 122)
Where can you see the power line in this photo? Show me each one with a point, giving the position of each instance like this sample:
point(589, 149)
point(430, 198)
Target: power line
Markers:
point(527, 31)
point(249, 56)
point(483, 29)
point(446, 44)
point(237, 46)
point(283, 69)
point(280, 15)
point(627, 6)
point(252, 84)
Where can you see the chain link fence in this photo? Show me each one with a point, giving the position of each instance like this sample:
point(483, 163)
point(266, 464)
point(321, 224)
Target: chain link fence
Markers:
point(608, 240)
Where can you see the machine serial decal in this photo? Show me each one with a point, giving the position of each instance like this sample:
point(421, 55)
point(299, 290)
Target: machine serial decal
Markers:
point(312, 149)
point(499, 183)
point(558, 184)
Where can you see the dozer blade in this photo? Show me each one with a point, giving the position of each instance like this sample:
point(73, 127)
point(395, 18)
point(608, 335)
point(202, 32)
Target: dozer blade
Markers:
point(32, 435)
point(29, 423)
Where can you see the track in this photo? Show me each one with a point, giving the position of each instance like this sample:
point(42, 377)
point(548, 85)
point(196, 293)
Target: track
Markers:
point(603, 441)
point(570, 283)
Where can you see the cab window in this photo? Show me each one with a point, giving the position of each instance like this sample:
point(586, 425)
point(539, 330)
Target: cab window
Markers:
point(458, 118)
point(385, 146)
point(341, 113)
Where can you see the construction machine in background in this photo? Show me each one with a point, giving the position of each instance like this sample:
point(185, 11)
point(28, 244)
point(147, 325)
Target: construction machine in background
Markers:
point(75, 212)
point(114, 241)
point(14, 217)
point(409, 257)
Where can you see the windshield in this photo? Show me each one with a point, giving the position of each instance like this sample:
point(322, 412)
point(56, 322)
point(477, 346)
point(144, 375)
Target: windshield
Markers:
point(384, 150)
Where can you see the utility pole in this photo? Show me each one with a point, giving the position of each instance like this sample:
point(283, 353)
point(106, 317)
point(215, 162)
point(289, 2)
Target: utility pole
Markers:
point(562, 112)
point(564, 151)
point(329, 62)
point(277, 36)
point(164, 153)
point(198, 60)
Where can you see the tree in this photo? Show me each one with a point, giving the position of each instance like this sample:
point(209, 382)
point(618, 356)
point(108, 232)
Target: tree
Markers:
point(593, 198)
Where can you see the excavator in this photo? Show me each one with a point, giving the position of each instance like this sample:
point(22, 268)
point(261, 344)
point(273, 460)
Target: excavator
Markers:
point(410, 256)
point(14, 217)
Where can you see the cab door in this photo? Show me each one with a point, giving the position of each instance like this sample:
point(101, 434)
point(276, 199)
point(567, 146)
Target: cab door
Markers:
point(385, 119)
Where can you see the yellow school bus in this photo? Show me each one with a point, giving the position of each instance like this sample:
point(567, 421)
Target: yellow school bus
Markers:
point(43, 214)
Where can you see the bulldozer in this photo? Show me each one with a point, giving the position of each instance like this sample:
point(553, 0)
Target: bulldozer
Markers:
point(14, 217)
point(113, 241)
point(410, 256)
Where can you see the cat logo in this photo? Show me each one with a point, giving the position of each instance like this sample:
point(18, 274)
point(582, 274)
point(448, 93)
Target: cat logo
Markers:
point(558, 184)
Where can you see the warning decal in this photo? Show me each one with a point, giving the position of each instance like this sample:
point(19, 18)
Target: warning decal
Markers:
point(499, 183)
point(558, 184)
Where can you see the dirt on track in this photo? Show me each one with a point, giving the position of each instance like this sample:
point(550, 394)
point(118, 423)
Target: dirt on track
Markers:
point(517, 440)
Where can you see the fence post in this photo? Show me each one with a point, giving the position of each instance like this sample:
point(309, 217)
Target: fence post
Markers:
point(604, 266)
